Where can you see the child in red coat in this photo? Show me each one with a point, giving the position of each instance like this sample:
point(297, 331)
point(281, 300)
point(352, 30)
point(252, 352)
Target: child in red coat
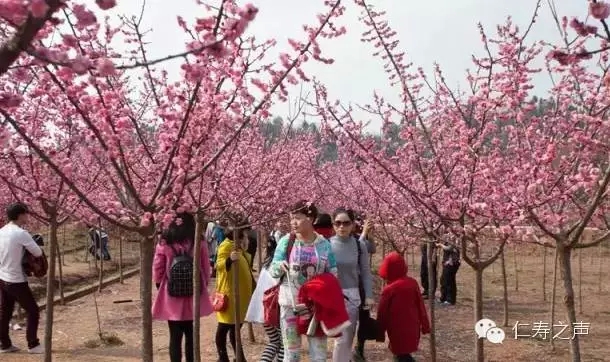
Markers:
point(401, 311)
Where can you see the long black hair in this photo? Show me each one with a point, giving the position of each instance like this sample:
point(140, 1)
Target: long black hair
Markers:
point(180, 230)
point(271, 245)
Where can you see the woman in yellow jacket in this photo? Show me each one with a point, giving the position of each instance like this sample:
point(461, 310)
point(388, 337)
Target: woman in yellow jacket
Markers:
point(229, 254)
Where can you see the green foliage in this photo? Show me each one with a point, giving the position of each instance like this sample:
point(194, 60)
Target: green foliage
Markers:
point(274, 131)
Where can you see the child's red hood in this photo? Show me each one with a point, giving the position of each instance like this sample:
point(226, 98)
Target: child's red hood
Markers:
point(393, 267)
point(325, 232)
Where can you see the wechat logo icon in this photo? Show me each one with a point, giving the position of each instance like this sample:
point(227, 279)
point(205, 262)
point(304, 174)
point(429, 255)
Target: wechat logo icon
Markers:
point(486, 328)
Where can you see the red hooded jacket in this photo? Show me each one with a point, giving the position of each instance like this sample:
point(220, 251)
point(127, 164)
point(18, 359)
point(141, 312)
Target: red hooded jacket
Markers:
point(401, 311)
point(323, 294)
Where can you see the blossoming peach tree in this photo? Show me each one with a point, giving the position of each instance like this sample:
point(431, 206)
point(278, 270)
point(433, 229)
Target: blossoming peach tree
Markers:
point(477, 164)
point(145, 136)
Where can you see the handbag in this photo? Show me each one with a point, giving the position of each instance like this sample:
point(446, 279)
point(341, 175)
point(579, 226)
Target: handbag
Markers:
point(219, 302)
point(271, 297)
point(271, 306)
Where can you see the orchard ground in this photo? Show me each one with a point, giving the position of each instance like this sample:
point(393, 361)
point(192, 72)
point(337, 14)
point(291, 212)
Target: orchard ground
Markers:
point(76, 328)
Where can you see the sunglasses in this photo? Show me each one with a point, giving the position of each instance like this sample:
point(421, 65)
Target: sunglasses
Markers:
point(342, 223)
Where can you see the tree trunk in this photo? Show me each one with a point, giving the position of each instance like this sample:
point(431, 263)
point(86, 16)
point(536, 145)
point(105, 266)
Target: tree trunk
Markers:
point(431, 256)
point(599, 268)
point(147, 248)
point(48, 328)
point(95, 251)
point(580, 281)
point(63, 244)
point(383, 252)
point(101, 270)
point(235, 275)
point(121, 258)
point(199, 224)
point(544, 274)
point(259, 246)
point(553, 297)
point(568, 300)
point(412, 255)
point(478, 312)
point(504, 288)
point(61, 274)
point(516, 268)
point(251, 333)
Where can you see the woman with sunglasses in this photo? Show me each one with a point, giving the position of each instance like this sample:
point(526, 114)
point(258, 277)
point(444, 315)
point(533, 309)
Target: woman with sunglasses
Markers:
point(355, 277)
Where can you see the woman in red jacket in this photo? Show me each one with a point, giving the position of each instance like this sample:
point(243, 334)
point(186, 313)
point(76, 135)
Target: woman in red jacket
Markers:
point(401, 312)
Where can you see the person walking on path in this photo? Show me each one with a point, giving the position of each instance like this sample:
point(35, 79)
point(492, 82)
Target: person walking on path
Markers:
point(232, 253)
point(451, 264)
point(178, 310)
point(355, 278)
point(309, 255)
point(14, 287)
point(274, 349)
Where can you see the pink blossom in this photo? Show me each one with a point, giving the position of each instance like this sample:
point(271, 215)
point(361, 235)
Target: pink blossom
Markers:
point(10, 100)
point(562, 57)
point(105, 67)
point(599, 10)
point(39, 8)
point(81, 64)
point(69, 40)
point(235, 28)
point(85, 17)
point(106, 4)
point(581, 28)
point(248, 12)
point(217, 50)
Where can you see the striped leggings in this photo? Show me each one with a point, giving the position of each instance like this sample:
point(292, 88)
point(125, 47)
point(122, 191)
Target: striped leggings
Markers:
point(275, 347)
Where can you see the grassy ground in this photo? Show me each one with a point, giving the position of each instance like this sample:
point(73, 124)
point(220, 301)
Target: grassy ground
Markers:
point(76, 328)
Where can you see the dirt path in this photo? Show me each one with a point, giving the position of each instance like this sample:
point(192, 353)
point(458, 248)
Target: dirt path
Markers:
point(76, 323)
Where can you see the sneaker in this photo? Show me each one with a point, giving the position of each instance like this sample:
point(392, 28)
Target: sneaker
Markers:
point(39, 349)
point(446, 303)
point(11, 349)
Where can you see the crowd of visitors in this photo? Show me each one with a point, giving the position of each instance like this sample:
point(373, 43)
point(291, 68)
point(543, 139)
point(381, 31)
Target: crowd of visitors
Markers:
point(315, 282)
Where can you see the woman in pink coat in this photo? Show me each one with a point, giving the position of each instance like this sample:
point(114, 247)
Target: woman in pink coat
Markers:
point(178, 311)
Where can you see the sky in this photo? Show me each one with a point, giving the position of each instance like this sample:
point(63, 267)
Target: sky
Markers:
point(440, 31)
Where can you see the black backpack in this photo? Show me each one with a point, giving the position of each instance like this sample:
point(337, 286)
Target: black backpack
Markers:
point(180, 278)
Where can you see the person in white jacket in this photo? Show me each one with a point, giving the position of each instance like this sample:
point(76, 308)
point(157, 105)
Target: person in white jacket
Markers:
point(274, 350)
point(14, 287)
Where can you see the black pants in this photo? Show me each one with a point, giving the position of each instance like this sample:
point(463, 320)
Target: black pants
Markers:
point(178, 329)
point(423, 274)
point(448, 284)
point(221, 341)
point(22, 294)
point(404, 358)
